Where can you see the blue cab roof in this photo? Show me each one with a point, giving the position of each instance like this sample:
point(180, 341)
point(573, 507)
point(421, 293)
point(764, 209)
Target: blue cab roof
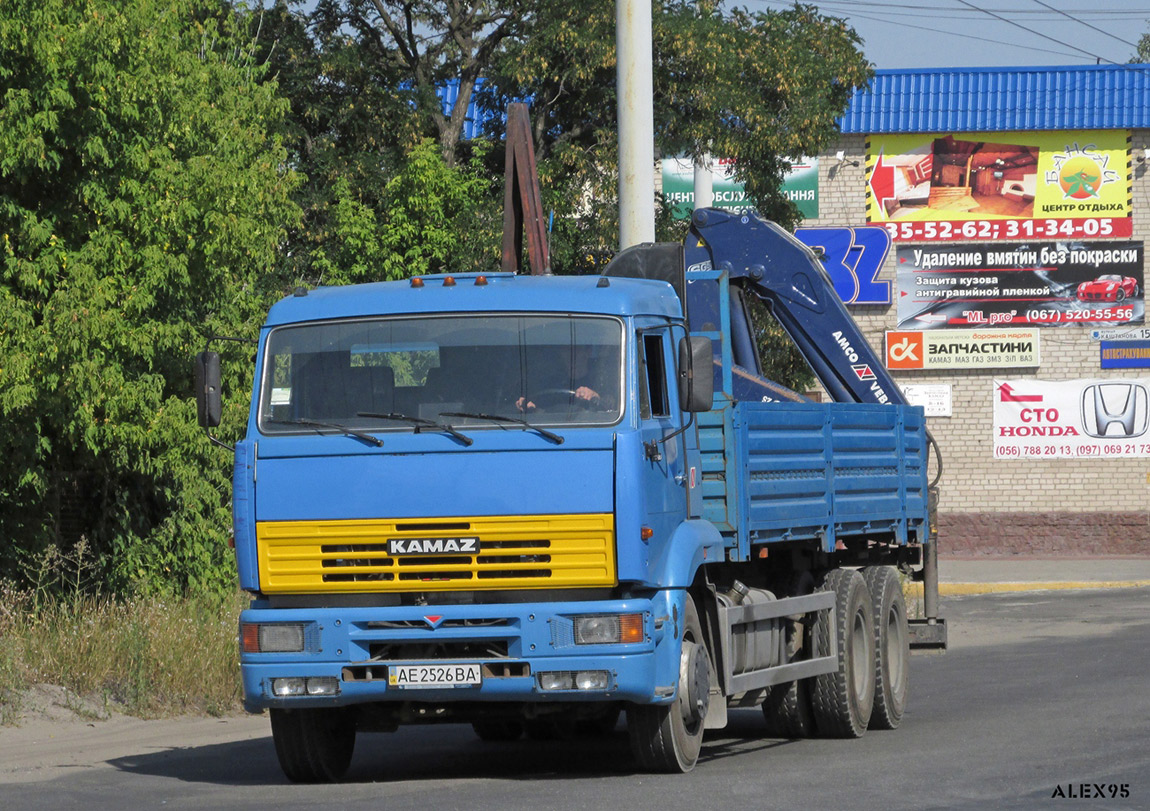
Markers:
point(502, 292)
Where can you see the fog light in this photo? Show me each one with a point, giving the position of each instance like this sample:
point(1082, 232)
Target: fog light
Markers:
point(608, 629)
point(557, 680)
point(293, 686)
point(323, 686)
point(591, 680)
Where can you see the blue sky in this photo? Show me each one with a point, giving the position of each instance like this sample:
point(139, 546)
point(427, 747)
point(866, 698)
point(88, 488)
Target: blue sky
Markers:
point(988, 33)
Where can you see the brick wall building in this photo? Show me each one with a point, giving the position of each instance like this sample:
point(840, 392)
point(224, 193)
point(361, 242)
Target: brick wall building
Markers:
point(1003, 505)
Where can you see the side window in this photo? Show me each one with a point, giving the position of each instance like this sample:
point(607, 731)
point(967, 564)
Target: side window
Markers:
point(656, 372)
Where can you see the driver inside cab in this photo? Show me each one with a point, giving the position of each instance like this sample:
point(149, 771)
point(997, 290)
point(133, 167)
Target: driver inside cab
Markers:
point(576, 380)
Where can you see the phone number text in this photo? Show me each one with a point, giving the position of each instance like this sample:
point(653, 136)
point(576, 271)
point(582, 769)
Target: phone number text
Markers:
point(1070, 228)
point(1103, 450)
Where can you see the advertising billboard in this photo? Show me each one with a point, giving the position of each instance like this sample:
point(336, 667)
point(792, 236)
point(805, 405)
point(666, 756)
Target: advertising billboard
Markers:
point(1050, 284)
point(962, 349)
point(1071, 419)
point(800, 185)
point(1124, 354)
point(853, 258)
point(1010, 185)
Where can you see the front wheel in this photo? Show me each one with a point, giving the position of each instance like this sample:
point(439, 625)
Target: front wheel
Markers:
point(667, 737)
point(314, 745)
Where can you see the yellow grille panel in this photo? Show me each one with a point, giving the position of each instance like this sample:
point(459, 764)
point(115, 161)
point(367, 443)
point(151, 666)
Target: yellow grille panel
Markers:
point(537, 551)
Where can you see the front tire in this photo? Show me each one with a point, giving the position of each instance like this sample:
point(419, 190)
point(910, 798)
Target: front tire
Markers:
point(842, 701)
point(314, 745)
point(892, 646)
point(667, 737)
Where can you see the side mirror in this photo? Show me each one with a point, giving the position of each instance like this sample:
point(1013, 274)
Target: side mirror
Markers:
point(209, 404)
point(696, 379)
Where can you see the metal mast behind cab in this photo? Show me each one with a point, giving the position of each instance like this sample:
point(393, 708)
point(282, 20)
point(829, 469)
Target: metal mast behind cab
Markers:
point(636, 122)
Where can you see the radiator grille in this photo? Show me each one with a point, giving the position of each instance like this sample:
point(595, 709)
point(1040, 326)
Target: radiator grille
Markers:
point(312, 557)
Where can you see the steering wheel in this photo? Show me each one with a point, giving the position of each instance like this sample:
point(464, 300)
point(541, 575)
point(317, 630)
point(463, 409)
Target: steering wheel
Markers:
point(550, 398)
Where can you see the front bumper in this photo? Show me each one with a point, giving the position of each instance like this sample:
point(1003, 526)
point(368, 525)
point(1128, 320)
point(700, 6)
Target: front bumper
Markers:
point(513, 643)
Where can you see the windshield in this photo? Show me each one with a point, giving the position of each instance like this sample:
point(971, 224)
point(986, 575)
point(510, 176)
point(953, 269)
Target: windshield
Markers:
point(371, 374)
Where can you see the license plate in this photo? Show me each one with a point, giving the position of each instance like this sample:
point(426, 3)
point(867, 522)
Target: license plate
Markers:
point(466, 674)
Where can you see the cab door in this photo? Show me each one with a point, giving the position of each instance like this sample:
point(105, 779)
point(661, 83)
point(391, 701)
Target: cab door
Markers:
point(665, 477)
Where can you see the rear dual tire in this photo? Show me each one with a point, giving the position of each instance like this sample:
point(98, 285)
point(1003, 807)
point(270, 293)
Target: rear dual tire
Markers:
point(892, 646)
point(842, 701)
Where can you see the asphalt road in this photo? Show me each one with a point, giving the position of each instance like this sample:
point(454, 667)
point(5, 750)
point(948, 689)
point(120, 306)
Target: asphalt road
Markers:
point(1041, 693)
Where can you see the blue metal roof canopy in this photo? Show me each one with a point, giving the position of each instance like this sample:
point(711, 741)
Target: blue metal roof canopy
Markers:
point(1002, 100)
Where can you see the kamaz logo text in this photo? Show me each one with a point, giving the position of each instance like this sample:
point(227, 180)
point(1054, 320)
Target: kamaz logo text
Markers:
point(433, 546)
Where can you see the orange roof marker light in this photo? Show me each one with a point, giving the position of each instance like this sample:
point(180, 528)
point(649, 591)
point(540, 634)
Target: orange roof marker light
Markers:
point(416, 281)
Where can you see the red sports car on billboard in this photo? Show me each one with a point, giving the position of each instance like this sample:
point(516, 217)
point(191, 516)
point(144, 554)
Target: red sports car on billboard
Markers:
point(1110, 287)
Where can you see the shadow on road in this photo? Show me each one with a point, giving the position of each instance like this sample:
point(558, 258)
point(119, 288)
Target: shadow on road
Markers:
point(446, 752)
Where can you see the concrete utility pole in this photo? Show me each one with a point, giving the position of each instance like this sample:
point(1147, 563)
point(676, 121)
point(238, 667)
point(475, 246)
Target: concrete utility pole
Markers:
point(704, 182)
point(636, 122)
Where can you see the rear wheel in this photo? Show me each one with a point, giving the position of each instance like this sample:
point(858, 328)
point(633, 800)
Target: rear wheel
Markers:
point(892, 646)
point(314, 745)
point(667, 737)
point(787, 707)
point(841, 701)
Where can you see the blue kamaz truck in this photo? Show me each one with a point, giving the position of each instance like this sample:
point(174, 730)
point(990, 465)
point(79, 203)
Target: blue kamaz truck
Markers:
point(533, 503)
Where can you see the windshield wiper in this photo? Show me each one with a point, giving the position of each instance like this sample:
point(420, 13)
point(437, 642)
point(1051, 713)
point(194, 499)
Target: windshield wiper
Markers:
point(374, 440)
point(558, 440)
point(418, 422)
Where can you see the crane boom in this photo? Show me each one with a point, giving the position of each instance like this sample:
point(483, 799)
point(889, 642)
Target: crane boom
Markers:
point(766, 261)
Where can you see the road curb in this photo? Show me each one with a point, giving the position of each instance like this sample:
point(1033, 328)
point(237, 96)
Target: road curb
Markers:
point(963, 589)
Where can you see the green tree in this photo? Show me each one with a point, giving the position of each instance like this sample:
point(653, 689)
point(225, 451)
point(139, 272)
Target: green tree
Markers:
point(426, 209)
point(378, 201)
point(142, 201)
point(1142, 52)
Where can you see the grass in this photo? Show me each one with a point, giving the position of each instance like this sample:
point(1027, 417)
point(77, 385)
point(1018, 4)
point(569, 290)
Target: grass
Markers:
point(146, 656)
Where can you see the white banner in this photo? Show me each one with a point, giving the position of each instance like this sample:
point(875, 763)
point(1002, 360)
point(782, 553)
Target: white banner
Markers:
point(1071, 419)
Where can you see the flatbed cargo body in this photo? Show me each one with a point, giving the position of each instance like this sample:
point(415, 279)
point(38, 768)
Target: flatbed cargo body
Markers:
point(784, 472)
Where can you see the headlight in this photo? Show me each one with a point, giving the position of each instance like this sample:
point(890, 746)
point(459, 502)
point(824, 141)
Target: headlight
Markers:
point(608, 629)
point(272, 637)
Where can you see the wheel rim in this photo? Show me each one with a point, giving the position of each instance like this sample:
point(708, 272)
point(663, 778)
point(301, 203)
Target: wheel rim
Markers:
point(894, 651)
point(860, 665)
point(695, 692)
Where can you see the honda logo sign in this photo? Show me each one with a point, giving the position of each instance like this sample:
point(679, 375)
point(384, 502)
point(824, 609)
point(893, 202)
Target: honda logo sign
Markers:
point(1114, 410)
